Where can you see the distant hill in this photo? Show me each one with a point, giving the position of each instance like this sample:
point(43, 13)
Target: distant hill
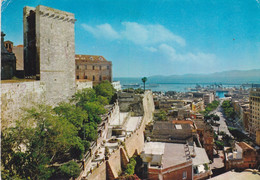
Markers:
point(229, 77)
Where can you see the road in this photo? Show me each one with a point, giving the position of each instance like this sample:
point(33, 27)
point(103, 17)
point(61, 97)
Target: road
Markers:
point(222, 121)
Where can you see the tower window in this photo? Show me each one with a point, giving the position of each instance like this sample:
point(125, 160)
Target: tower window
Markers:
point(107, 67)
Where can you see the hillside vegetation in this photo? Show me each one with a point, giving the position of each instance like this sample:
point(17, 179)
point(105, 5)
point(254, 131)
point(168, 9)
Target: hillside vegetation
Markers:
point(47, 142)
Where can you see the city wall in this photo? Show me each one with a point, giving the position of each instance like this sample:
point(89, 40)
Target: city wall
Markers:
point(18, 95)
point(133, 145)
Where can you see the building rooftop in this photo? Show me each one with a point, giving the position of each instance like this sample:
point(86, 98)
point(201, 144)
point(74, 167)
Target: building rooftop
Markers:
point(169, 126)
point(154, 148)
point(94, 58)
point(200, 124)
point(201, 156)
point(245, 146)
point(238, 176)
point(172, 154)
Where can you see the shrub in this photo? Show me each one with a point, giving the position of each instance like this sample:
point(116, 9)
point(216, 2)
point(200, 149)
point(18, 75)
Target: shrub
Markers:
point(130, 168)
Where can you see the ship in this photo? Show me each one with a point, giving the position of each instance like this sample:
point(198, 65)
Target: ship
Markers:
point(136, 85)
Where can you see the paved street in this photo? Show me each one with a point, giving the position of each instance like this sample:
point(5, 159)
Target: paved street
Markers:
point(222, 121)
point(218, 160)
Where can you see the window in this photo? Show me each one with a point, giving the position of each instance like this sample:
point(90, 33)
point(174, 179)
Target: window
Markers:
point(86, 77)
point(100, 67)
point(107, 67)
point(100, 78)
point(184, 175)
point(77, 66)
point(93, 67)
point(77, 77)
point(93, 78)
point(86, 67)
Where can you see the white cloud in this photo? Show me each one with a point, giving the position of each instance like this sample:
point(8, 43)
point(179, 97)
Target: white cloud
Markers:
point(136, 33)
point(102, 31)
point(258, 3)
point(149, 34)
point(153, 38)
point(199, 57)
point(151, 49)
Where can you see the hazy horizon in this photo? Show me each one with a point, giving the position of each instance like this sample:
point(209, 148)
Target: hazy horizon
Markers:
point(189, 73)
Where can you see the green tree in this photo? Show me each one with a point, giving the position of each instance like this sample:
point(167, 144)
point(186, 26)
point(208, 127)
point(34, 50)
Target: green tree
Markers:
point(216, 118)
point(161, 116)
point(45, 143)
point(83, 96)
point(130, 167)
point(69, 170)
point(144, 79)
point(105, 89)
point(72, 113)
point(102, 100)
point(219, 144)
point(89, 132)
point(207, 117)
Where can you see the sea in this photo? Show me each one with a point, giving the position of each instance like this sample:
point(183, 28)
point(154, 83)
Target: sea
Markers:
point(178, 87)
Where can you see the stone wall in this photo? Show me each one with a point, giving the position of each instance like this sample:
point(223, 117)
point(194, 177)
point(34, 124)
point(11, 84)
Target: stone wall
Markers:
point(133, 145)
point(83, 84)
point(135, 102)
point(99, 173)
point(52, 57)
point(18, 95)
point(135, 142)
point(115, 164)
point(56, 50)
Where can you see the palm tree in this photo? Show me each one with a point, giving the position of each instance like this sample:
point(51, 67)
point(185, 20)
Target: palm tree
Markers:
point(144, 79)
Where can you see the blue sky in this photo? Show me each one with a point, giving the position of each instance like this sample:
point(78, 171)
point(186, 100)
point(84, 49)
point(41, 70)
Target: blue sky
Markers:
point(157, 37)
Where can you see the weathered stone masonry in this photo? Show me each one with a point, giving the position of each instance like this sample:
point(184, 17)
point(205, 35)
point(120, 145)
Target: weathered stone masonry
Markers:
point(51, 55)
point(49, 63)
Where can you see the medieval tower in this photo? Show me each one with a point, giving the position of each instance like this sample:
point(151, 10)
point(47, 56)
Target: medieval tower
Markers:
point(49, 50)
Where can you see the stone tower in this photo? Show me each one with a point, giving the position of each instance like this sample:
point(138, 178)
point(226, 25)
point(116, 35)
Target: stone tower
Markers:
point(49, 50)
point(8, 61)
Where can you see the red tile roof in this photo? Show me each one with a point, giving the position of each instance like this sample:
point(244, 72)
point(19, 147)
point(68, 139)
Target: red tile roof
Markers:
point(89, 57)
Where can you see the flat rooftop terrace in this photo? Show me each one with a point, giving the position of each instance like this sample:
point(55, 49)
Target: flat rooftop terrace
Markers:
point(172, 153)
